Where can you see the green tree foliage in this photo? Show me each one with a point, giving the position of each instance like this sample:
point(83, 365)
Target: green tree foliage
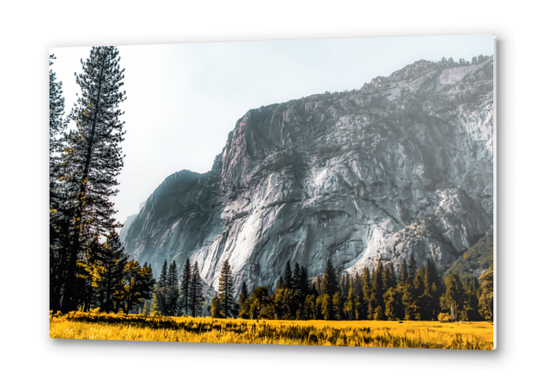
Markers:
point(284, 304)
point(196, 291)
point(377, 296)
point(454, 298)
point(185, 288)
point(109, 263)
point(309, 307)
point(215, 308)
point(59, 213)
point(337, 302)
point(486, 298)
point(160, 297)
point(412, 268)
point(329, 282)
point(394, 309)
point(225, 289)
point(403, 272)
point(138, 285)
point(326, 305)
point(243, 295)
point(288, 277)
point(172, 291)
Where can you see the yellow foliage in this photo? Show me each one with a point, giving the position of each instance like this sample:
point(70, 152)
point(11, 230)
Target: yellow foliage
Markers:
point(393, 334)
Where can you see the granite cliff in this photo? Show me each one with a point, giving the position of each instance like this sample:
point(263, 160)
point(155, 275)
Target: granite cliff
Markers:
point(402, 166)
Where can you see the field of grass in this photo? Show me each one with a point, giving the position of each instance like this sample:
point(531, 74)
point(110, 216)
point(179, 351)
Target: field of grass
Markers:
point(394, 334)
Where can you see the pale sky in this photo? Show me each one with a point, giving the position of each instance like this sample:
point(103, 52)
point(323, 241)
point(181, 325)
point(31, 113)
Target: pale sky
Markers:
point(184, 99)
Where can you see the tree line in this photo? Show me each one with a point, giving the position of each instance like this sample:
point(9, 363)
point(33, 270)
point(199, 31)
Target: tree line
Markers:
point(415, 293)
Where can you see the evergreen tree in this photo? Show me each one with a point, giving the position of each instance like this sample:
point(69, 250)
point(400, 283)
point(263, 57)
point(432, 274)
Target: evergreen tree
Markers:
point(59, 213)
point(412, 268)
point(288, 278)
point(225, 289)
point(243, 295)
point(377, 297)
point(329, 283)
point(138, 285)
point(486, 297)
point(337, 306)
point(92, 159)
point(304, 281)
point(327, 306)
point(296, 278)
point(160, 297)
point(196, 291)
point(432, 291)
point(162, 281)
point(215, 307)
point(394, 304)
point(172, 290)
point(109, 267)
point(392, 277)
point(403, 272)
point(185, 287)
point(309, 307)
point(454, 298)
point(418, 305)
point(367, 292)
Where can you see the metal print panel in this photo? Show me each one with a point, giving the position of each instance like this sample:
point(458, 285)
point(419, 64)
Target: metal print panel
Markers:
point(237, 193)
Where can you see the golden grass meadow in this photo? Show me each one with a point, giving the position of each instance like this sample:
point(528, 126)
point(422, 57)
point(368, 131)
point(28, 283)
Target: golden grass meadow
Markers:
point(387, 334)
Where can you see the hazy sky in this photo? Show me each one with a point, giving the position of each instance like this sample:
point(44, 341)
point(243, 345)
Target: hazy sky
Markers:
point(184, 99)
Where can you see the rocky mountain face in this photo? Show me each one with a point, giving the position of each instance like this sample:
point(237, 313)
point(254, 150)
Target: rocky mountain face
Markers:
point(402, 166)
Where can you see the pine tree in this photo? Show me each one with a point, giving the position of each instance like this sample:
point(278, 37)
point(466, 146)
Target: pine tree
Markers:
point(329, 283)
point(162, 281)
point(58, 211)
point(109, 267)
point(243, 295)
point(392, 277)
point(92, 159)
point(412, 268)
point(367, 291)
point(225, 289)
point(454, 298)
point(215, 307)
point(196, 294)
point(304, 281)
point(160, 300)
point(185, 287)
point(288, 278)
point(172, 290)
point(403, 272)
point(296, 278)
point(433, 291)
point(138, 284)
point(486, 298)
point(377, 297)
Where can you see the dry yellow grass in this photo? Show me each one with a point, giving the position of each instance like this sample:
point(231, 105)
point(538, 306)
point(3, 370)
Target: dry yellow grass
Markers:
point(407, 334)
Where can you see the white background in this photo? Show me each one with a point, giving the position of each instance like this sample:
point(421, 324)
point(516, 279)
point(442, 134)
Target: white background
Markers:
point(28, 29)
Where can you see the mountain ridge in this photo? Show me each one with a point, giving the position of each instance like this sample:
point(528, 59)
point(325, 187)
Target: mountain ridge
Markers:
point(402, 166)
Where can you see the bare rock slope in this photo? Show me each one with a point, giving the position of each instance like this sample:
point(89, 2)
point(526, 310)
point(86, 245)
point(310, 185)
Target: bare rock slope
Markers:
point(402, 166)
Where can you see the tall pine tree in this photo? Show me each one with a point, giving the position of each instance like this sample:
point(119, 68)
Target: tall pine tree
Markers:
point(196, 293)
point(93, 158)
point(225, 289)
point(185, 287)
